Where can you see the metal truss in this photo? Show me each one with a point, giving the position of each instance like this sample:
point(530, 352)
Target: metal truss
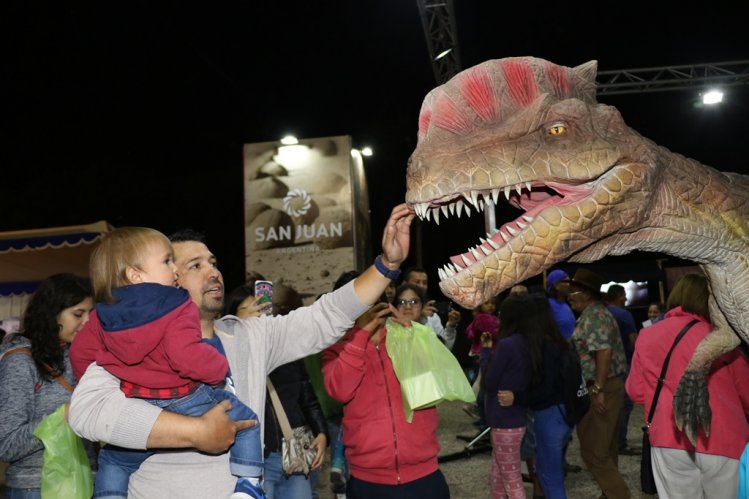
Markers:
point(661, 79)
point(438, 20)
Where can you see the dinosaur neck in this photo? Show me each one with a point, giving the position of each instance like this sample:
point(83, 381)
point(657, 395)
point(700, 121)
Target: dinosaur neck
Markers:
point(698, 212)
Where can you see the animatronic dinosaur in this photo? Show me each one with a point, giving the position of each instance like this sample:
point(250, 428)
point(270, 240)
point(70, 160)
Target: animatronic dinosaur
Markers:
point(529, 132)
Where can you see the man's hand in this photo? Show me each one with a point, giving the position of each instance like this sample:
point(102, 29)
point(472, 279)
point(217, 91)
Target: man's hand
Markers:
point(397, 236)
point(599, 403)
point(215, 431)
point(453, 318)
point(428, 309)
point(320, 443)
point(374, 318)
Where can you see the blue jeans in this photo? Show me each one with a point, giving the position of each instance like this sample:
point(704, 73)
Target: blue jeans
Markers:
point(11, 493)
point(432, 486)
point(552, 434)
point(116, 464)
point(278, 486)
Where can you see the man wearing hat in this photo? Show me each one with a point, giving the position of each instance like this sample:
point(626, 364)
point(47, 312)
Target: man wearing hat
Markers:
point(558, 287)
point(599, 344)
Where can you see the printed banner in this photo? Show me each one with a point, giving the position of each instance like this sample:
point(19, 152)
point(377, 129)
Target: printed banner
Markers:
point(305, 212)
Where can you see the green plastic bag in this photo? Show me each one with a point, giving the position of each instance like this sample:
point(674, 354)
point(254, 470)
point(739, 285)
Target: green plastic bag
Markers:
point(66, 472)
point(428, 372)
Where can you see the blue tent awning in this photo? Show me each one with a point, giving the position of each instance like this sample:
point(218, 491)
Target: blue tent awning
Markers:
point(29, 256)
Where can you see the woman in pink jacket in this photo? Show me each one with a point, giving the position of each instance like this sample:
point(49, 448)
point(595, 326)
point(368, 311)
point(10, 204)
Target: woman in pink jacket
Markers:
point(682, 470)
point(389, 457)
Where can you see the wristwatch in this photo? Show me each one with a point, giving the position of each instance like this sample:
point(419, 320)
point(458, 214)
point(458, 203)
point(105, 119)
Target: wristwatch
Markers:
point(595, 389)
point(384, 270)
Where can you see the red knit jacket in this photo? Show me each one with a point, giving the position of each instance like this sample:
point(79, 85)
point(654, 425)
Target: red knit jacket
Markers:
point(161, 355)
point(381, 446)
point(727, 384)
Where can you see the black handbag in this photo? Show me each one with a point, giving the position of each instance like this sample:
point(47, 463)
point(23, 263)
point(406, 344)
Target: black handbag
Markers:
point(647, 481)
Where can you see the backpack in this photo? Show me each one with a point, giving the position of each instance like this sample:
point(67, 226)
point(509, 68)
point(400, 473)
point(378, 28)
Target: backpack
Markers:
point(575, 396)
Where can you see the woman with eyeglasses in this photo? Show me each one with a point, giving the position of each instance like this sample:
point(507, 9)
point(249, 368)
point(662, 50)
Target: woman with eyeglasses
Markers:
point(389, 458)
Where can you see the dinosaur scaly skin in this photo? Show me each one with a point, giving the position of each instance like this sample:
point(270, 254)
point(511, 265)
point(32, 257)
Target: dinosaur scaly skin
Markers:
point(529, 132)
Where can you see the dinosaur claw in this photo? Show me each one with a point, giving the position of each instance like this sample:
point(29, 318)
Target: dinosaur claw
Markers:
point(692, 405)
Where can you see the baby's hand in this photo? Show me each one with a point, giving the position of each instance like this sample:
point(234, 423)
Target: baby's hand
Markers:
point(486, 339)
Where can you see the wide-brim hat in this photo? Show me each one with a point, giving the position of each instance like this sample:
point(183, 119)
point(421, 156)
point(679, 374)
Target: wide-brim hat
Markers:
point(588, 279)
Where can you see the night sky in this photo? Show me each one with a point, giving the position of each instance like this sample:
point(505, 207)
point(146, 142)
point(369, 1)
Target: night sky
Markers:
point(136, 112)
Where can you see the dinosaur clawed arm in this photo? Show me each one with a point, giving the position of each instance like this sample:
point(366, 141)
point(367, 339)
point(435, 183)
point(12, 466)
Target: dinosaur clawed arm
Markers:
point(692, 400)
point(692, 405)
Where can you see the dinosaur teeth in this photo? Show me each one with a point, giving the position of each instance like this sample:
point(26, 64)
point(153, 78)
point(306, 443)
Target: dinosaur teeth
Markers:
point(476, 254)
point(522, 225)
point(444, 210)
point(456, 267)
point(441, 274)
point(481, 205)
point(427, 214)
point(528, 218)
point(507, 192)
point(504, 237)
point(459, 207)
point(466, 260)
point(512, 231)
point(528, 186)
point(452, 208)
point(436, 215)
point(474, 199)
point(495, 195)
point(493, 243)
point(519, 189)
point(486, 251)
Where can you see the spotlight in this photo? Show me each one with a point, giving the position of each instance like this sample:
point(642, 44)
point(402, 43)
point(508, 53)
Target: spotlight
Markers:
point(289, 140)
point(366, 151)
point(712, 97)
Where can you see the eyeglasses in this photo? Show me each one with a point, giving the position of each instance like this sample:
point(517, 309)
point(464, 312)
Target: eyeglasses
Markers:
point(402, 303)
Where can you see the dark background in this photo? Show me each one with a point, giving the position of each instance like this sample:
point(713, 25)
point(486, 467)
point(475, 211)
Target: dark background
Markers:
point(136, 112)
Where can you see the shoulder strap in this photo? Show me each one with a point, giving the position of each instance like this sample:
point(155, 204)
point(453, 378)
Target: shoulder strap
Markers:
point(26, 351)
point(12, 351)
point(662, 377)
point(280, 413)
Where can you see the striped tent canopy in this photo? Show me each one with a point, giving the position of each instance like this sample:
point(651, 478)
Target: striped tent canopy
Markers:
point(29, 256)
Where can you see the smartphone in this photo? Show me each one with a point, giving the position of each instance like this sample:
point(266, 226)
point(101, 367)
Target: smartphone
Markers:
point(264, 289)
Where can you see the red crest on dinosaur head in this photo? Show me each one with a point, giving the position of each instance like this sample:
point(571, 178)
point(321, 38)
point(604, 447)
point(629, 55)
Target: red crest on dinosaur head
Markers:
point(492, 91)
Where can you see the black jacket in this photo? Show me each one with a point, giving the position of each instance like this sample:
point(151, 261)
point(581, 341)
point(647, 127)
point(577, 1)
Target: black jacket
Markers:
point(299, 402)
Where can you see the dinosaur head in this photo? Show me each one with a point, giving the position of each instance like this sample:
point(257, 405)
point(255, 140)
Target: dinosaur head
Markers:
point(529, 133)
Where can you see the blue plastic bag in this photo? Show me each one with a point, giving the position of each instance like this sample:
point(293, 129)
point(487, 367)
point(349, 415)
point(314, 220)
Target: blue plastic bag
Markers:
point(428, 372)
point(66, 471)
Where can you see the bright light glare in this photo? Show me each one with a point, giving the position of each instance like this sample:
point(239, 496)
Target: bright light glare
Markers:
point(443, 54)
point(366, 151)
point(292, 156)
point(289, 140)
point(712, 97)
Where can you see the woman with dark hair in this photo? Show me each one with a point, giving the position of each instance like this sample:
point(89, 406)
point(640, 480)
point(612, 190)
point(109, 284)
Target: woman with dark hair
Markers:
point(544, 397)
point(709, 468)
point(36, 377)
point(389, 458)
point(514, 364)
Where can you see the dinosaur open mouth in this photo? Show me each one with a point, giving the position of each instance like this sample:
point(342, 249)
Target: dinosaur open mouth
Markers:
point(534, 199)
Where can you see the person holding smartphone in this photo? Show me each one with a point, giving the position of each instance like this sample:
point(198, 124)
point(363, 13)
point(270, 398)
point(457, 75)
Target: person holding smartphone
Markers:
point(254, 347)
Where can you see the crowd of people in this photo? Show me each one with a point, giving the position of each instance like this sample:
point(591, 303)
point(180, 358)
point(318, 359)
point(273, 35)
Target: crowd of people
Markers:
point(169, 380)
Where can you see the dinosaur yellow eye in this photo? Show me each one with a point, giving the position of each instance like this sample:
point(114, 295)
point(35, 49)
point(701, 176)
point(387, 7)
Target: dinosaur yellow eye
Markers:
point(557, 129)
